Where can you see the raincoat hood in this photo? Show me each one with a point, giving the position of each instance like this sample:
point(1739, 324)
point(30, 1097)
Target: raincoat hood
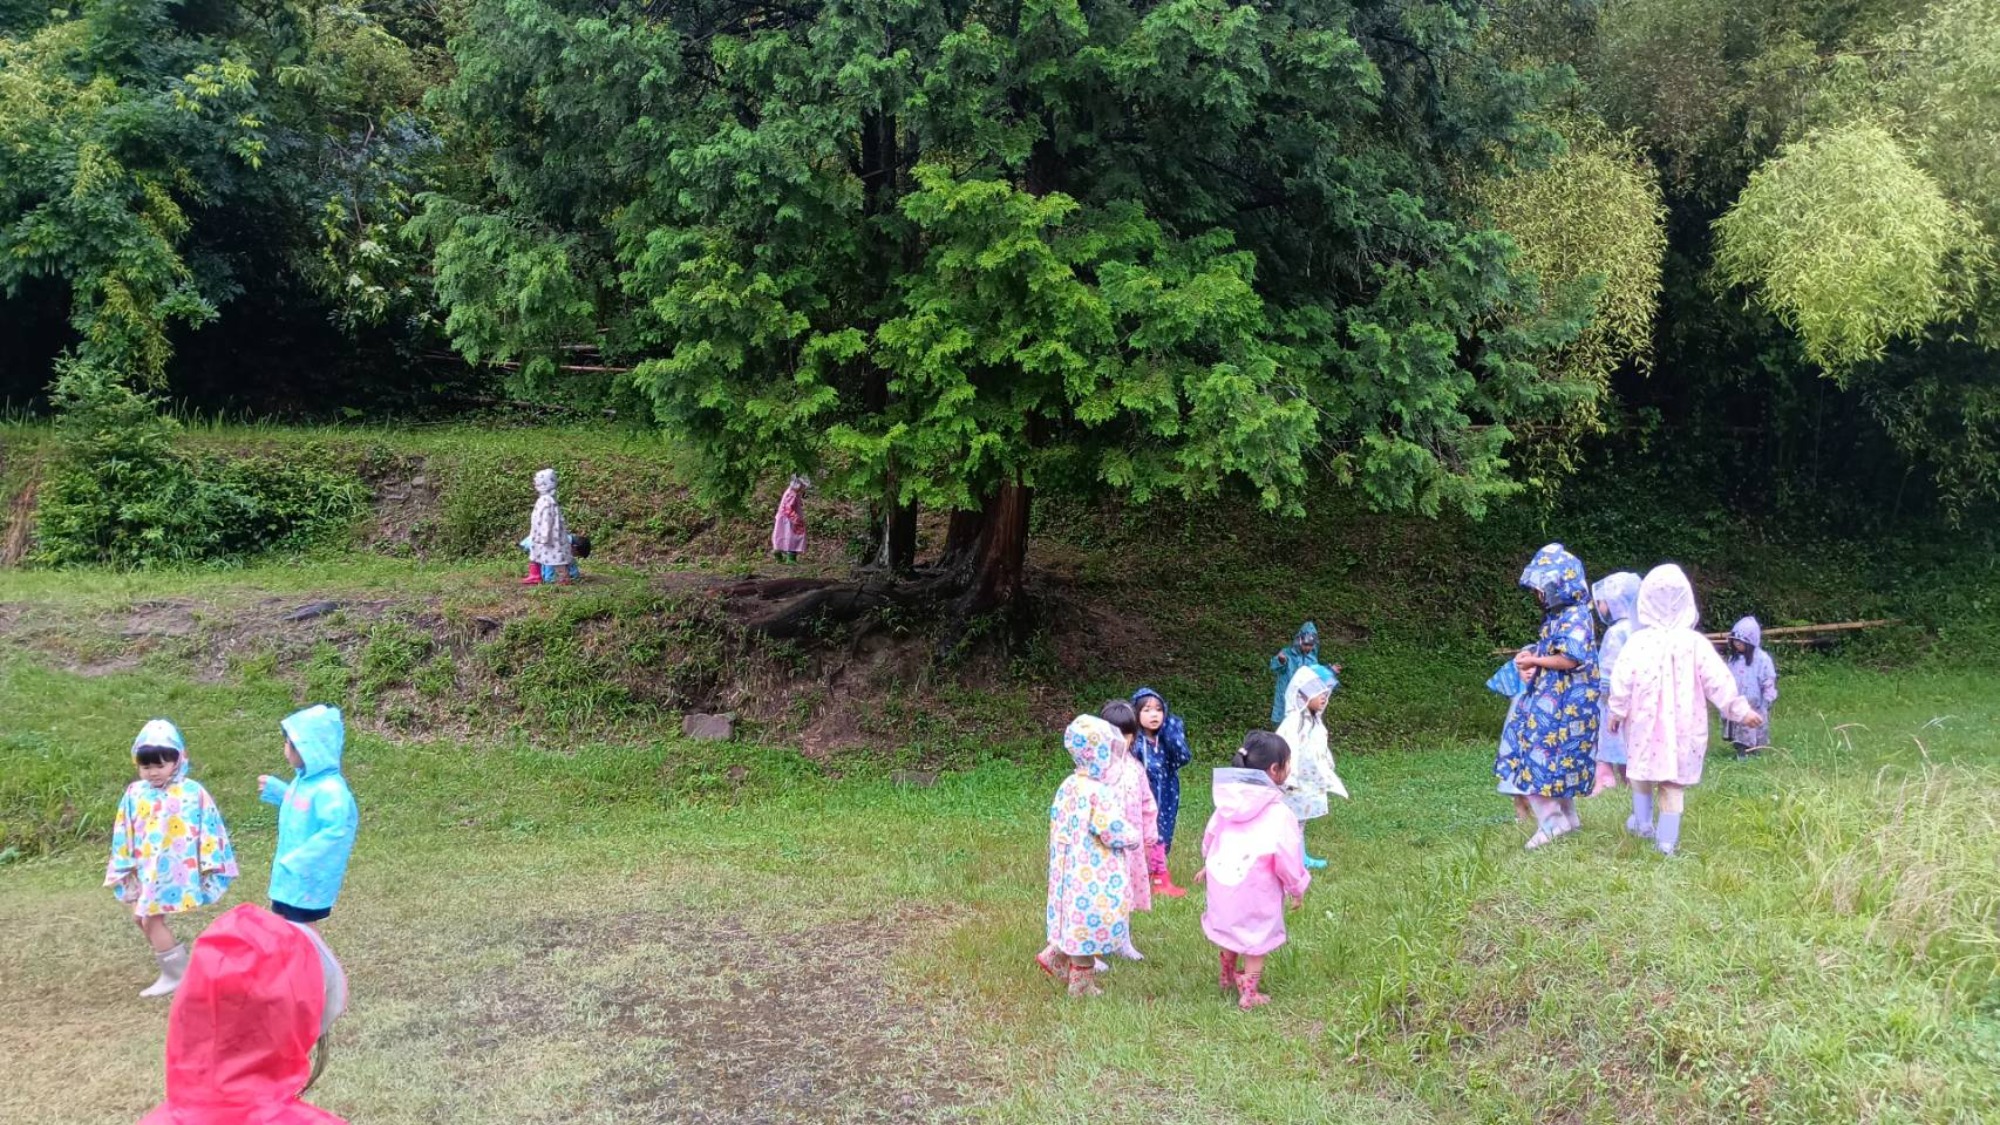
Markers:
point(1749, 632)
point(240, 1036)
point(1666, 599)
point(1307, 632)
point(1558, 577)
point(319, 734)
point(1243, 794)
point(1307, 684)
point(163, 735)
point(545, 482)
point(1089, 741)
point(1619, 592)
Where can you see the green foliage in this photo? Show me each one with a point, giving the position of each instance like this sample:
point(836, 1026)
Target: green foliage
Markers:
point(1850, 243)
point(156, 159)
point(121, 492)
point(1591, 224)
point(942, 249)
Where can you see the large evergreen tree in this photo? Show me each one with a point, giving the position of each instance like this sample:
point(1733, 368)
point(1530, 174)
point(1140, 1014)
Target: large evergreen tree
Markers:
point(951, 253)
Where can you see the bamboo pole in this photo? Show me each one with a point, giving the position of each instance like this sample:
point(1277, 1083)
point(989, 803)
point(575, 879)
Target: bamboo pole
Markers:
point(1787, 634)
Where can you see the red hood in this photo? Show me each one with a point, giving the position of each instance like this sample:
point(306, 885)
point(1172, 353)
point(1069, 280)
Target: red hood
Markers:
point(240, 1037)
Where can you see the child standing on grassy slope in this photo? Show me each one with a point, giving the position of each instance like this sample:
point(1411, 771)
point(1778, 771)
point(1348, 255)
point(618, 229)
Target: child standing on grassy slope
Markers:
point(1253, 863)
point(1757, 678)
point(1617, 598)
point(317, 817)
point(1135, 795)
point(1548, 747)
point(1313, 775)
point(788, 527)
point(1665, 672)
point(1163, 746)
point(1303, 652)
point(550, 558)
point(169, 848)
point(1089, 891)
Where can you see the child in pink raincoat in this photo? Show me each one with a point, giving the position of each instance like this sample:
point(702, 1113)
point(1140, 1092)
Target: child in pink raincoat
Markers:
point(1090, 884)
point(1255, 862)
point(1663, 676)
point(1142, 811)
point(788, 527)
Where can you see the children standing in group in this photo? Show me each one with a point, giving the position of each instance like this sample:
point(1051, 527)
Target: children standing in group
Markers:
point(1312, 774)
point(550, 554)
point(1663, 676)
point(1089, 896)
point(1617, 598)
point(1549, 744)
point(1135, 795)
point(1254, 861)
point(1162, 744)
point(170, 851)
point(1757, 679)
point(317, 817)
point(788, 527)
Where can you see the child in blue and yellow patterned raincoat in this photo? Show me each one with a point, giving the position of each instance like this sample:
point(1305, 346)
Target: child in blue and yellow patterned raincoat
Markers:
point(170, 851)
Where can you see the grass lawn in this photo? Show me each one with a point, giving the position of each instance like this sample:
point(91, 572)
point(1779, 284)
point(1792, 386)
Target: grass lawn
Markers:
point(664, 931)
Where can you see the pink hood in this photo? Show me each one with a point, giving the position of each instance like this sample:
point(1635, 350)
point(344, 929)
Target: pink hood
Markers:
point(1243, 794)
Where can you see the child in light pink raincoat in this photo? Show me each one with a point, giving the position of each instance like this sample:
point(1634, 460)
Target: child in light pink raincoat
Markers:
point(788, 527)
point(1663, 676)
point(1255, 862)
point(1142, 811)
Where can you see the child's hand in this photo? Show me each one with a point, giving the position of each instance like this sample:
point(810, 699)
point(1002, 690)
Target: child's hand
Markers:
point(1524, 662)
point(1293, 902)
point(1201, 876)
point(1753, 720)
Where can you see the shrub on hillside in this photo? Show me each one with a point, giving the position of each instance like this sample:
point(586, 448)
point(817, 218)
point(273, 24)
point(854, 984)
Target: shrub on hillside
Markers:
point(122, 493)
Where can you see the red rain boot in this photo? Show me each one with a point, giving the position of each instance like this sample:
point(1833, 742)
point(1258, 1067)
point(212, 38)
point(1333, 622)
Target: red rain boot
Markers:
point(1163, 884)
point(534, 577)
point(1228, 970)
point(1246, 986)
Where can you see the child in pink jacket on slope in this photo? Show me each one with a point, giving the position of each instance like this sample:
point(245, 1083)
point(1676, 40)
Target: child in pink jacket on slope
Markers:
point(1256, 861)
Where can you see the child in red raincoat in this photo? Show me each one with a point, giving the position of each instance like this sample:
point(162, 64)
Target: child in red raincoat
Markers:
point(258, 995)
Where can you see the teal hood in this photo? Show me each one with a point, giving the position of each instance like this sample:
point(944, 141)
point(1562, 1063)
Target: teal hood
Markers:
point(319, 734)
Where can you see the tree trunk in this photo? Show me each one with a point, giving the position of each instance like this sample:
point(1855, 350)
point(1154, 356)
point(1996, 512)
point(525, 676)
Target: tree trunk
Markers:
point(897, 550)
point(1000, 559)
point(961, 537)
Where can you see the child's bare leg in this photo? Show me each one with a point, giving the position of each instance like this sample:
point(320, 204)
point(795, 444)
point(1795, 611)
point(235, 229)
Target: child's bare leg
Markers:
point(1671, 798)
point(1523, 811)
point(153, 927)
point(1249, 972)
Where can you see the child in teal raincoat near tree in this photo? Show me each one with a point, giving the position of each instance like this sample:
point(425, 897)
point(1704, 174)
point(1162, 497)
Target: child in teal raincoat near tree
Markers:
point(1303, 652)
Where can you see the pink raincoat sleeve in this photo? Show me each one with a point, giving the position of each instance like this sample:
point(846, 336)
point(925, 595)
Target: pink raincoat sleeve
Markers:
point(1717, 684)
point(1288, 863)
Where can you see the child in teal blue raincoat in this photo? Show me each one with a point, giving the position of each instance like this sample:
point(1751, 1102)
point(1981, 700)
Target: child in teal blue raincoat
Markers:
point(317, 817)
point(1303, 652)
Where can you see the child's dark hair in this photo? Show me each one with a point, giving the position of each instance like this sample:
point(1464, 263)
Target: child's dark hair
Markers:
point(1119, 714)
point(579, 545)
point(157, 755)
point(1262, 750)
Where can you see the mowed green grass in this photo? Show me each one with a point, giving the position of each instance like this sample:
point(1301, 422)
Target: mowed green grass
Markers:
point(672, 932)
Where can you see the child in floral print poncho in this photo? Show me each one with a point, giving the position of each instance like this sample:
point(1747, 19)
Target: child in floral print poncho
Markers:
point(169, 849)
point(1089, 891)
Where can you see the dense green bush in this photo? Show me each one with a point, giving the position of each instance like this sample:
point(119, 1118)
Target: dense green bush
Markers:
point(123, 493)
